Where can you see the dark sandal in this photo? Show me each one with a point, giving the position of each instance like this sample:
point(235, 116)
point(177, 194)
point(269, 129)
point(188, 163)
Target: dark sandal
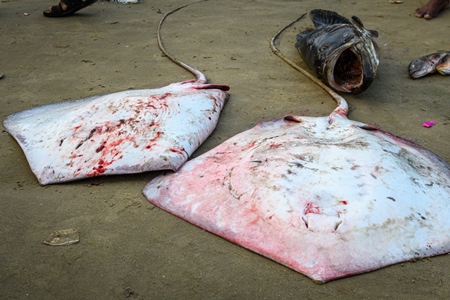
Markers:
point(72, 7)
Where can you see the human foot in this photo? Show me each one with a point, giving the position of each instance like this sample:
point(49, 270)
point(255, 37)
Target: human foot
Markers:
point(431, 9)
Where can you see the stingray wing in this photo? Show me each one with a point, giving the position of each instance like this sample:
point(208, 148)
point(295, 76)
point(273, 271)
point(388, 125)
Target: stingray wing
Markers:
point(126, 132)
point(325, 200)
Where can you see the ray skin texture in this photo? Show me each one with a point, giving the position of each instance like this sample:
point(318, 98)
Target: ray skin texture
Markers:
point(328, 200)
point(120, 133)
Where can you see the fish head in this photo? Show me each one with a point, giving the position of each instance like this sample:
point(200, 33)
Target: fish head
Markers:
point(419, 68)
point(322, 47)
point(351, 65)
point(343, 54)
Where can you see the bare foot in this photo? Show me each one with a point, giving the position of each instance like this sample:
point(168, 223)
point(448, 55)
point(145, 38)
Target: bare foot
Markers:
point(431, 9)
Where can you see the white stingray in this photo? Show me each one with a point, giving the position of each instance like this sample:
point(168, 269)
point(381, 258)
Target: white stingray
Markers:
point(126, 132)
point(328, 197)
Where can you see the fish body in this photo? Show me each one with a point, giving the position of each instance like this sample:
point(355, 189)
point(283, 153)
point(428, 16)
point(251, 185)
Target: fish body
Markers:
point(342, 53)
point(126, 132)
point(327, 200)
point(429, 64)
point(121, 133)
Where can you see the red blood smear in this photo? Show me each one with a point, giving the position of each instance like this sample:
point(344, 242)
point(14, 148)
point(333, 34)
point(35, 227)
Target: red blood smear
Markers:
point(251, 144)
point(111, 137)
point(153, 123)
point(108, 149)
point(158, 135)
point(163, 97)
point(275, 146)
point(152, 141)
point(311, 208)
point(177, 151)
point(100, 169)
point(97, 170)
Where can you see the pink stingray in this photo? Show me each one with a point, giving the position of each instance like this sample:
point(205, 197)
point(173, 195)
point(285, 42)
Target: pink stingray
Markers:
point(328, 197)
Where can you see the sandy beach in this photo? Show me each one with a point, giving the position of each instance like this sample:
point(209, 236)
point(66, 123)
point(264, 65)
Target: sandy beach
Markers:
point(131, 249)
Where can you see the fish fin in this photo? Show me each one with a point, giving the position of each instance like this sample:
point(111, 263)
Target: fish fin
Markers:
point(357, 21)
point(322, 18)
point(367, 126)
point(303, 34)
point(293, 118)
point(212, 86)
point(374, 33)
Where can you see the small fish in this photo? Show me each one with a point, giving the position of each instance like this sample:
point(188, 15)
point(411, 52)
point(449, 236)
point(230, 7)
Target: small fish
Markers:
point(342, 53)
point(429, 64)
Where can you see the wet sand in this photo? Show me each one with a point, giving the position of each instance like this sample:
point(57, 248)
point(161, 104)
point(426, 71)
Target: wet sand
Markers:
point(128, 247)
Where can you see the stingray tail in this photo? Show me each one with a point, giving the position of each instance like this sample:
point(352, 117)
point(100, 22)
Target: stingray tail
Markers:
point(201, 78)
point(342, 106)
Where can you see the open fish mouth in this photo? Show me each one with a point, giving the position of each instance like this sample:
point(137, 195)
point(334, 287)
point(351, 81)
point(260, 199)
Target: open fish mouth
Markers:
point(345, 69)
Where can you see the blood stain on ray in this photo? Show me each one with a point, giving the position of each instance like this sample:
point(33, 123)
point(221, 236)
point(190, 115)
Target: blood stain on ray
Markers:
point(311, 208)
point(109, 148)
point(177, 150)
point(275, 145)
point(152, 142)
point(250, 145)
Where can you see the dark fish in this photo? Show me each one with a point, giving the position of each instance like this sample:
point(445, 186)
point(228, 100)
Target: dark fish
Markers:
point(342, 53)
point(429, 64)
